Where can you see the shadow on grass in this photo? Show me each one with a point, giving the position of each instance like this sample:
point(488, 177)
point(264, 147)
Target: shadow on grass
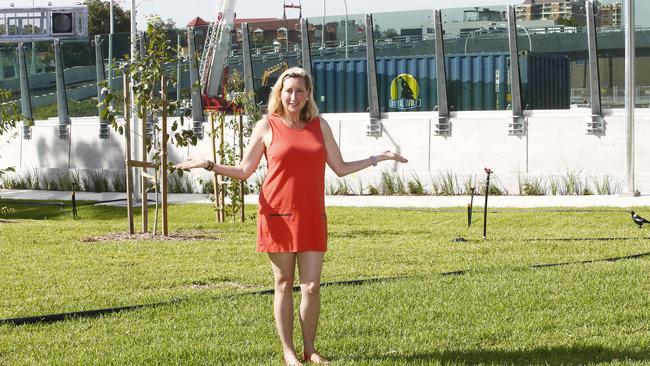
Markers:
point(588, 261)
point(351, 234)
point(51, 318)
point(585, 239)
point(628, 238)
point(579, 355)
point(60, 210)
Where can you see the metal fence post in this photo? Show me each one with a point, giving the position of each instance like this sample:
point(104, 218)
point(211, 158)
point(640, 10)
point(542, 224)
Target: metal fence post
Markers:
point(197, 103)
point(306, 50)
point(596, 124)
point(249, 84)
point(25, 97)
point(516, 127)
point(374, 127)
point(61, 94)
point(443, 127)
point(101, 78)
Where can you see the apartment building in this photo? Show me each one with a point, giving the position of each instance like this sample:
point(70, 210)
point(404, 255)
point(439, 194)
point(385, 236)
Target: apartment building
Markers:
point(570, 12)
point(556, 10)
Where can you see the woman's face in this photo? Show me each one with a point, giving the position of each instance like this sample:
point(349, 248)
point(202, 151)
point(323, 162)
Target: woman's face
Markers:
point(294, 94)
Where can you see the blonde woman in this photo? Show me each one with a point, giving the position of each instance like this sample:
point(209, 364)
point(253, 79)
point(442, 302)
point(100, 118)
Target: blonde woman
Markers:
point(292, 223)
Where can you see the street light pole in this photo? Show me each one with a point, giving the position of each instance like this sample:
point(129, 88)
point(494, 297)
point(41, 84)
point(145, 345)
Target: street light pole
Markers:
point(630, 187)
point(134, 110)
point(345, 2)
point(322, 33)
point(110, 46)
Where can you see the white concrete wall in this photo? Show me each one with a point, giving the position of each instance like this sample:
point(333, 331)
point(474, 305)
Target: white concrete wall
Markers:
point(556, 143)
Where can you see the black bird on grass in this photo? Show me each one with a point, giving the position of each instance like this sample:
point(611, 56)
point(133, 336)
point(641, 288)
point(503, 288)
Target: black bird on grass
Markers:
point(638, 219)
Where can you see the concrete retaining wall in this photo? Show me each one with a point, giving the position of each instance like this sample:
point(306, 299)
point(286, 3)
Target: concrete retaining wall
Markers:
point(556, 144)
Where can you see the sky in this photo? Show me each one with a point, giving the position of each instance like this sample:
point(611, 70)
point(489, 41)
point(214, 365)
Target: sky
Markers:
point(185, 10)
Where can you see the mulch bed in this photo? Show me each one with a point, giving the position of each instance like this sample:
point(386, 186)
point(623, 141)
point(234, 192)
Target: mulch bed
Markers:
point(124, 236)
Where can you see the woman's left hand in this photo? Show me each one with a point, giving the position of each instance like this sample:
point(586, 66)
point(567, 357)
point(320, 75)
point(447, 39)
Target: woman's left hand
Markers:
point(389, 155)
point(191, 164)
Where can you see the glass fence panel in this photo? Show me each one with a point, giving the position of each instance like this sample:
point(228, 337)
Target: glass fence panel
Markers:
point(406, 65)
point(553, 55)
point(477, 57)
point(235, 70)
point(275, 47)
point(80, 77)
point(339, 64)
point(42, 78)
point(642, 36)
point(610, 36)
point(9, 68)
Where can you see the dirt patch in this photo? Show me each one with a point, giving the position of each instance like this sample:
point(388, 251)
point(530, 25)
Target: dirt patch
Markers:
point(7, 221)
point(124, 236)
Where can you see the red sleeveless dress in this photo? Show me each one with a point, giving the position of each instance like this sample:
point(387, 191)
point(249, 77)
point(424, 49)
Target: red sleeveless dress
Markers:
point(291, 214)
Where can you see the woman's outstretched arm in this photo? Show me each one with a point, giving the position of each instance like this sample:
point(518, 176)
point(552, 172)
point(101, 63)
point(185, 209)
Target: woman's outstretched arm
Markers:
point(341, 167)
point(249, 162)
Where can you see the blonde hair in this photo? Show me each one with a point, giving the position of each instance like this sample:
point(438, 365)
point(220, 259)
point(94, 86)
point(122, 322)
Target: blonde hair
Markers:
point(309, 111)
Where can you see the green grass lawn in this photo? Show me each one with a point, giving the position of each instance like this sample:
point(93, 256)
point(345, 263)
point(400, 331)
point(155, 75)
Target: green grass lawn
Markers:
point(500, 310)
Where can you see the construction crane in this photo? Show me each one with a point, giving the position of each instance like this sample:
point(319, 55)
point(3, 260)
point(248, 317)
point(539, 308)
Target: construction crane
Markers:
point(291, 6)
point(269, 77)
point(214, 56)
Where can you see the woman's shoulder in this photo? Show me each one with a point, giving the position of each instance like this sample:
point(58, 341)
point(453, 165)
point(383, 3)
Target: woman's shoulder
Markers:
point(263, 124)
point(321, 120)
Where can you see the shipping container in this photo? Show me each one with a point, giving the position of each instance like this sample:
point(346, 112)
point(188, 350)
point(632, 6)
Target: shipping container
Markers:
point(341, 85)
point(547, 84)
point(478, 82)
point(474, 82)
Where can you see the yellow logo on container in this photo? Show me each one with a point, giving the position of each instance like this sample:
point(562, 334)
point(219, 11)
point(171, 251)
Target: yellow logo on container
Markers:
point(404, 92)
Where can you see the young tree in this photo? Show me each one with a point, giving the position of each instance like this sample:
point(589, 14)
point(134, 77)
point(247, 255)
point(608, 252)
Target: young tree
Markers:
point(9, 116)
point(99, 17)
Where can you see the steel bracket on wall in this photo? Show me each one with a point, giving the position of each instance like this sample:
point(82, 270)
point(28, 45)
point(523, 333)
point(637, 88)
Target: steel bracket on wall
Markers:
point(596, 124)
point(443, 127)
point(517, 126)
point(374, 127)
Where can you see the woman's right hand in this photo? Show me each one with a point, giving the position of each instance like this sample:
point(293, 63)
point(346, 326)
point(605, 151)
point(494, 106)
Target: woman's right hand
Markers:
point(191, 164)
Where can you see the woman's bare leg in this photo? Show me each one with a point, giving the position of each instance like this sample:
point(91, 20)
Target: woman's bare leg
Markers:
point(284, 267)
point(310, 265)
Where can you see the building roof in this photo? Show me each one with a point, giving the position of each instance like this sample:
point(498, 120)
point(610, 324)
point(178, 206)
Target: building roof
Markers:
point(529, 2)
point(197, 22)
point(270, 23)
point(253, 20)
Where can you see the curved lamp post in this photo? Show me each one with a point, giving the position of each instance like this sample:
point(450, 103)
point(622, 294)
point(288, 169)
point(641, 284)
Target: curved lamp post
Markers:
point(345, 2)
point(530, 42)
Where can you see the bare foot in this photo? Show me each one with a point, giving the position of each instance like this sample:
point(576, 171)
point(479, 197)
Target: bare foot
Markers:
point(316, 359)
point(290, 359)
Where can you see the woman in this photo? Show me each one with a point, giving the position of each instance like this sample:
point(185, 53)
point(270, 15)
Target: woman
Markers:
point(291, 225)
